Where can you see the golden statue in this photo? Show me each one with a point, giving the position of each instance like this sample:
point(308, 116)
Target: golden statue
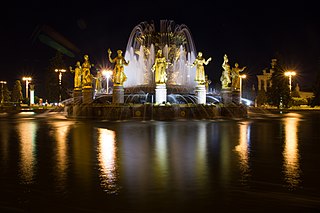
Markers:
point(98, 81)
point(200, 62)
point(207, 83)
point(86, 75)
point(235, 74)
point(159, 68)
point(118, 76)
point(225, 77)
point(77, 75)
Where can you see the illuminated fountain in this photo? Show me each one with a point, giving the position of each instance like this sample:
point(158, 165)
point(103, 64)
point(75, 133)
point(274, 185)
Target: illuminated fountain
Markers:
point(142, 93)
point(177, 46)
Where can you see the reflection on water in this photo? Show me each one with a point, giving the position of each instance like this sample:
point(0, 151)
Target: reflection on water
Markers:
point(161, 155)
point(243, 148)
point(27, 132)
point(4, 145)
point(291, 165)
point(107, 160)
point(178, 166)
point(60, 132)
point(201, 155)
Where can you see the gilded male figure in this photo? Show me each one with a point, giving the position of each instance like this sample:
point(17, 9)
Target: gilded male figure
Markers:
point(235, 74)
point(118, 76)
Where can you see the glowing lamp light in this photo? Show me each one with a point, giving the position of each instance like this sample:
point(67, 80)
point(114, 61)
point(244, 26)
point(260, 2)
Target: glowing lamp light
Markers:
point(290, 74)
point(60, 71)
point(2, 96)
point(107, 74)
point(241, 77)
point(27, 79)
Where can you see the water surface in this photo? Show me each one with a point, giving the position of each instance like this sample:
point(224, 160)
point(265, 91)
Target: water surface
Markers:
point(267, 162)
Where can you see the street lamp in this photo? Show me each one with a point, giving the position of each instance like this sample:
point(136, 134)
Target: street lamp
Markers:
point(290, 74)
point(241, 77)
point(60, 71)
point(2, 96)
point(27, 79)
point(107, 74)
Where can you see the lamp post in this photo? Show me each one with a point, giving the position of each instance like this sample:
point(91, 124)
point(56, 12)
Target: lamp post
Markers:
point(241, 77)
point(2, 96)
point(27, 79)
point(290, 74)
point(107, 74)
point(60, 71)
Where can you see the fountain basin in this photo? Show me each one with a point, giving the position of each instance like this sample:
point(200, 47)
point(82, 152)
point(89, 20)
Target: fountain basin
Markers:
point(148, 111)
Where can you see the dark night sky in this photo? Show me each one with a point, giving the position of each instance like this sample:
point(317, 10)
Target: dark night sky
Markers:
point(250, 34)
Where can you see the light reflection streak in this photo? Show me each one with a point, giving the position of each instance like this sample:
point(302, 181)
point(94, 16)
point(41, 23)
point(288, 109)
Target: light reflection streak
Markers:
point(225, 157)
point(107, 160)
point(243, 148)
point(161, 154)
point(61, 131)
point(4, 132)
point(291, 151)
point(201, 154)
point(27, 133)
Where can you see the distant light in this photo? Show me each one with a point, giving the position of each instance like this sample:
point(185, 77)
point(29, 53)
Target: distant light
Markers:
point(243, 76)
point(60, 70)
point(106, 73)
point(26, 78)
point(246, 101)
point(290, 73)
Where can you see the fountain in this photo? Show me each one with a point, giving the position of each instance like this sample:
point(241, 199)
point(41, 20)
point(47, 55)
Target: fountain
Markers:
point(160, 80)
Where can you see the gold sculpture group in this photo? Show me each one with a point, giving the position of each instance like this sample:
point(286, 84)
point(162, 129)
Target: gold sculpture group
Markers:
point(83, 77)
point(230, 75)
point(82, 74)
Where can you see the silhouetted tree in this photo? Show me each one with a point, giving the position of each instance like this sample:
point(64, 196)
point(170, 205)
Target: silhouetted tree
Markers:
point(261, 97)
point(279, 92)
point(316, 90)
point(52, 78)
point(5, 92)
point(17, 92)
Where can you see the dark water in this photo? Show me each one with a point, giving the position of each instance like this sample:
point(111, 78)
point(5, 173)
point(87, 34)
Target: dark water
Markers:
point(262, 164)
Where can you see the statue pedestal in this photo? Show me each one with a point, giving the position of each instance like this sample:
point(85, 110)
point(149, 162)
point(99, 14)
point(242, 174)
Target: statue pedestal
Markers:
point(118, 95)
point(77, 93)
point(161, 93)
point(31, 97)
point(87, 93)
point(226, 96)
point(236, 97)
point(201, 94)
